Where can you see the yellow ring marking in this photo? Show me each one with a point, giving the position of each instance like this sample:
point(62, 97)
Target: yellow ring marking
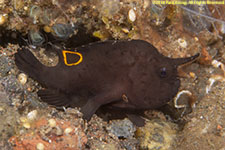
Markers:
point(64, 52)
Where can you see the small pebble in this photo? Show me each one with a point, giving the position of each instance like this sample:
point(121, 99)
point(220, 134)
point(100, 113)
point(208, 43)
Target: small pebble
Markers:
point(196, 39)
point(219, 127)
point(146, 3)
point(222, 28)
point(23, 119)
point(131, 15)
point(29, 89)
point(22, 78)
point(18, 4)
point(40, 146)
point(2, 19)
point(192, 74)
point(2, 109)
point(32, 115)
point(2, 2)
point(26, 125)
point(52, 122)
point(25, 8)
point(125, 30)
point(47, 29)
point(122, 128)
point(68, 130)
point(59, 131)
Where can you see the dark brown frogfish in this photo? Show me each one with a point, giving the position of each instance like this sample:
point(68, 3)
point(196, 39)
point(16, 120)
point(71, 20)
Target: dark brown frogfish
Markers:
point(126, 75)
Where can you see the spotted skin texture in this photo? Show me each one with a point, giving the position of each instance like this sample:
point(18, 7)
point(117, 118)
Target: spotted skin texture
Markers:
point(127, 75)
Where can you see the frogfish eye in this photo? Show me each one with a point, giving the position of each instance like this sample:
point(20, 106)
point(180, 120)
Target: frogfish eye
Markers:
point(163, 72)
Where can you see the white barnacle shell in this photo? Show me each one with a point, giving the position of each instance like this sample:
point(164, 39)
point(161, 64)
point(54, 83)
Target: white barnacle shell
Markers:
point(22, 78)
point(68, 130)
point(182, 42)
point(132, 15)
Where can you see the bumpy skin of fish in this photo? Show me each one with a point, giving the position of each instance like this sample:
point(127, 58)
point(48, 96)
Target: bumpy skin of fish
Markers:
point(108, 70)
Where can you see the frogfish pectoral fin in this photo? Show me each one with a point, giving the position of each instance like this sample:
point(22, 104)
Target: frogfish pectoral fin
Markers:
point(54, 98)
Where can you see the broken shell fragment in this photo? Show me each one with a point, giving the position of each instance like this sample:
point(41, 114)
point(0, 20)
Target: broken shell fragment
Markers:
point(189, 104)
point(212, 80)
point(32, 115)
point(218, 64)
point(176, 105)
point(18, 4)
